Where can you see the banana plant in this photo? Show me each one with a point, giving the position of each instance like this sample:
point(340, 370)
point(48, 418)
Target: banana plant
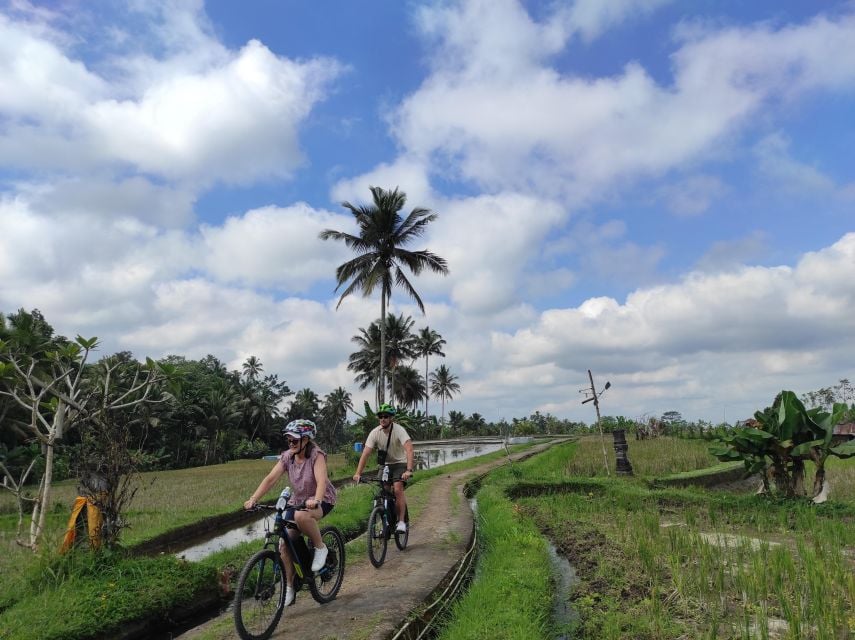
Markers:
point(782, 438)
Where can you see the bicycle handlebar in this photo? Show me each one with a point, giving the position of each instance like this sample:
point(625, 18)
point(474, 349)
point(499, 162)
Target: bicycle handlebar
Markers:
point(272, 507)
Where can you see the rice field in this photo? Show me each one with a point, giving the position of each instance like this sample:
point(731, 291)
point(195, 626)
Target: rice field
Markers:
point(679, 563)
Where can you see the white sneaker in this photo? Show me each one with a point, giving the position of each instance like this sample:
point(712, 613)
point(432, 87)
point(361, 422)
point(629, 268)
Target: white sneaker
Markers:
point(289, 595)
point(402, 527)
point(319, 559)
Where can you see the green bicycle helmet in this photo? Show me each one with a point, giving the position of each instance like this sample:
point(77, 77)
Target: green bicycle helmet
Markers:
point(385, 408)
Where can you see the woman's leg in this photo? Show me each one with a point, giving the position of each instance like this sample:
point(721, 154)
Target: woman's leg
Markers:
point(308, 522)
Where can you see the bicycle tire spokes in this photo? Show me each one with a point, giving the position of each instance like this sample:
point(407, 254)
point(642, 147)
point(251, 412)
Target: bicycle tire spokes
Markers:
point(260, 596)
point(376, 534)
point(326, 582)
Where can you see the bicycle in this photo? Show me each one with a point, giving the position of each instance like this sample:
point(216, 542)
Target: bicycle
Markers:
point(260, 595)
point(381, 522)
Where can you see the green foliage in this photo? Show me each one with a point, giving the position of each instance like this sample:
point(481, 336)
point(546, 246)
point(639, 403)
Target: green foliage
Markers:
point(786, 435)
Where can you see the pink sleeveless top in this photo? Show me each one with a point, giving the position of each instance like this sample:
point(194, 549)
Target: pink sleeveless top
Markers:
point(302, 477)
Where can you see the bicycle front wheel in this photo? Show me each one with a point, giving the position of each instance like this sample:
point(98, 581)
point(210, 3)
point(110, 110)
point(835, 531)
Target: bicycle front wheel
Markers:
point(326, 582)
point(260, 596)
point(377, 540)
point(402, 537)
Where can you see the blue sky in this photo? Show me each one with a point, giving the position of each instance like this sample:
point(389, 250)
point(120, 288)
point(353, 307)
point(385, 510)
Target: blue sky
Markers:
point(659, 191)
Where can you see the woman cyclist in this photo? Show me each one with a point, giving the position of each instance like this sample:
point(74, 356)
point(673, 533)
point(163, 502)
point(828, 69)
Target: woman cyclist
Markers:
point(306, 465)
point(395, 448)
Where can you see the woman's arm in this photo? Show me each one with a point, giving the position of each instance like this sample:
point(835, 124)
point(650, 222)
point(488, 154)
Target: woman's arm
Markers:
point(269, 480)
point(320, 469)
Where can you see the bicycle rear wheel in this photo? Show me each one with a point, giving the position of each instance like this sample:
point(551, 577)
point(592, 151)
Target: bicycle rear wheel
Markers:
point(260, 596)
point(324, 584)
point(377, 540)
point(402, 537)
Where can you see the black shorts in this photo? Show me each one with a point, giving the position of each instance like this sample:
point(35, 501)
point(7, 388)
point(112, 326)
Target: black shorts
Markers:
point(326, 507)
point(396, 470)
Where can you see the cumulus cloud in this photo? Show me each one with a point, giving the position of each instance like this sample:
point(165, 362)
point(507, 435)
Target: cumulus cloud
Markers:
point(523, 125)
point(760, 318)
point(275, 247)
point(205, 115)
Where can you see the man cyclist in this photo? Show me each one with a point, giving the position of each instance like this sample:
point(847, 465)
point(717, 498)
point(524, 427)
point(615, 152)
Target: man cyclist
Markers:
point(395, 448)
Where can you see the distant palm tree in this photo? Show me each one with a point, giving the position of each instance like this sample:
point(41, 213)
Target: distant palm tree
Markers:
point(409, 387)
point(400, 345)
point(365, 362)
point(428, 343)
point(443, 385)
point(304, 405)
point(380, 254)
point(252, 367)
point(334, 416)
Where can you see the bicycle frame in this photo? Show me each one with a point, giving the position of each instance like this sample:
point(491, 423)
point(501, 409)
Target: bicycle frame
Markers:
point(262, 584)
point(381, 522)
point(278, 533)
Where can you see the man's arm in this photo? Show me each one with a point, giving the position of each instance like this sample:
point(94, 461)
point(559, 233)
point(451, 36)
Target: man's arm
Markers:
point(411, 459)
point(366, 451)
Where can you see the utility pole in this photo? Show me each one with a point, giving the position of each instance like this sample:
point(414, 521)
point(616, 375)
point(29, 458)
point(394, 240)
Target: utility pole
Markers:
point(596, 400)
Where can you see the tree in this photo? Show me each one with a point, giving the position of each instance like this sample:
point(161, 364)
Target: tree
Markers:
point(409, 387)
point(428, 343)
point(334, 417)
point(306, 404)
point(383, 234)
point(399, 346)
point(47, 378)
point(252, 367)
point(443, 386)
point(220, 411)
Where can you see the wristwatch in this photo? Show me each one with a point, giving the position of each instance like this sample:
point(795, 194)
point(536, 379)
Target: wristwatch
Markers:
point(409, 470)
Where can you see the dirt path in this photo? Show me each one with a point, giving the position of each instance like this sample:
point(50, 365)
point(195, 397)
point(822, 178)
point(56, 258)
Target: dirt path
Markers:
point(373, 603)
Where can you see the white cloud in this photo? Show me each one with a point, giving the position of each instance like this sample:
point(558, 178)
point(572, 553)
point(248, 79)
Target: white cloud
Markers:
point(407, 173)
point(523, 125)
point(275, 247)
point(741, 325)
point(205, 115)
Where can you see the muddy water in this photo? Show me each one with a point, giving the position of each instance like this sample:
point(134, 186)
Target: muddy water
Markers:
point(562, 613)
point(429, 455)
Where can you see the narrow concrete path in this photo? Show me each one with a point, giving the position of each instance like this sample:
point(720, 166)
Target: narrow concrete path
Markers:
point(373, 603)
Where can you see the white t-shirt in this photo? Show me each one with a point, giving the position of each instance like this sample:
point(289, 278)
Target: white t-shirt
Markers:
point(377, 440)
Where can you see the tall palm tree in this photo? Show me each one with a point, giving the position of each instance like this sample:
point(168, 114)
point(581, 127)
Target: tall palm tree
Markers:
point(443, 385)
point(380, 254)
point(428, 343)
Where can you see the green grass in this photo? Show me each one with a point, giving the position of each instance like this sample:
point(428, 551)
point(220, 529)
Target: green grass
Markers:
point(513, 595)
point(39, 591)
point(669, 563)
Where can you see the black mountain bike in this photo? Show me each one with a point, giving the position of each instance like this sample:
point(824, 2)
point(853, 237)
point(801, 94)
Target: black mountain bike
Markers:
point(382, 521)
point(260, 596)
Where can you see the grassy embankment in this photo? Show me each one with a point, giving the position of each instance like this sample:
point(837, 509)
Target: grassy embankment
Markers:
point(658, 563)
point(86, 595)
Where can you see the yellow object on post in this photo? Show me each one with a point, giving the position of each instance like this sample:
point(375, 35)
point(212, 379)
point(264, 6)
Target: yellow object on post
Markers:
point(91, 524)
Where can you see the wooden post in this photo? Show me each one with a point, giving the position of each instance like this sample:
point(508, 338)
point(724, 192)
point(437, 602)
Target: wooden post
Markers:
point(599, 425)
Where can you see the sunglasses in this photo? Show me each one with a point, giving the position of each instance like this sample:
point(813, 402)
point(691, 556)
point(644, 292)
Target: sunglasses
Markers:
point(293, 441)
point(383, 416)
